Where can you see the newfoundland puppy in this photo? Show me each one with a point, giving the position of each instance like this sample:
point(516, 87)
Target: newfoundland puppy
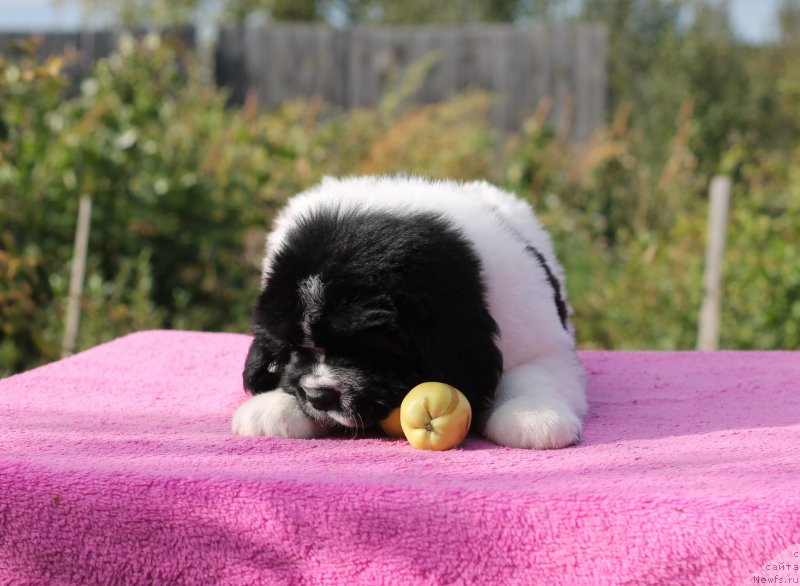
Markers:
point(373, 285)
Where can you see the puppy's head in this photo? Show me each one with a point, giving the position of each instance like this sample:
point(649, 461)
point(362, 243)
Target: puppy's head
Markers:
point(357, 308)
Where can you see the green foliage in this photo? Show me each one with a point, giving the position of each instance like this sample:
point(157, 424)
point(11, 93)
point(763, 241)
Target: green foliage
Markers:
point(27, 94)
point(176, 181)
point(183, 188)
point(387, 12)
point(137, 13)
point(762, 304)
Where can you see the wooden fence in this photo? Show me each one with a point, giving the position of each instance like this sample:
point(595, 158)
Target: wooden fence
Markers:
point(520, 66)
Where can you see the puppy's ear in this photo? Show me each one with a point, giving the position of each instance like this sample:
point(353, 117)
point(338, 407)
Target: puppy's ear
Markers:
point(263, 367)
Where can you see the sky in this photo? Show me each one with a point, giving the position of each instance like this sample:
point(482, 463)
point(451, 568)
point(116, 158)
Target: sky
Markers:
point(754, 20)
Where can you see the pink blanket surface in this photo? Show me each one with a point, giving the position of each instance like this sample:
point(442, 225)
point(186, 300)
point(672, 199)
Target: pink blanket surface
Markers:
point(117, 466)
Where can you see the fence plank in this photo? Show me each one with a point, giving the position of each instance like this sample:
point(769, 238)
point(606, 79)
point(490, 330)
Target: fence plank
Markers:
point(519, 66)
point(353, 68)
point(229, 64)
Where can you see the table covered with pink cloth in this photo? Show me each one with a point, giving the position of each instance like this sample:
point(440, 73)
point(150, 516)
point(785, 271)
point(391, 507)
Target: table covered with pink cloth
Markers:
point(118, 466)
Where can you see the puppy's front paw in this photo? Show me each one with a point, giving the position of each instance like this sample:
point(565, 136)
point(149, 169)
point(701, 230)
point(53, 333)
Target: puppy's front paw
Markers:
point(275, 414)
point(521, 424)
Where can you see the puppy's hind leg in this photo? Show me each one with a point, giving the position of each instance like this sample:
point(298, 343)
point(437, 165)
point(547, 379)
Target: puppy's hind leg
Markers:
point(275, 414)
point(539, 404)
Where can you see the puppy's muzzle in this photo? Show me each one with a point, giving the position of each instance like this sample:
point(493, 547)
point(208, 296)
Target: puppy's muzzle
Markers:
point(323, 398)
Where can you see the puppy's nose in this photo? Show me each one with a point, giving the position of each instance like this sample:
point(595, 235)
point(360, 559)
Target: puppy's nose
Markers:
point(323, 398)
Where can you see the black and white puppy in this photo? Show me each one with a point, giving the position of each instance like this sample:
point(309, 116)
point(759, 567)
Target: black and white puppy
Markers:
point(372, 285)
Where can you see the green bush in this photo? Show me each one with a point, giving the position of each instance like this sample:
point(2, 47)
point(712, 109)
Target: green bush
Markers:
point(631, 234)
point(176, 182)
point(183, 189)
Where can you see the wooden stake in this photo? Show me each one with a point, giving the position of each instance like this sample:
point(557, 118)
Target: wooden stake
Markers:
point(77, 276)
point(720, 195)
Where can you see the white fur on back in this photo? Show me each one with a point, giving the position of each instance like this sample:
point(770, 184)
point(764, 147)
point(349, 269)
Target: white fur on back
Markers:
point(519, 297)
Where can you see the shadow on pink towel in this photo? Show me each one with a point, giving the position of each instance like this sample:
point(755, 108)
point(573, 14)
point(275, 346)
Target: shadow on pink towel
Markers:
point(117, 466)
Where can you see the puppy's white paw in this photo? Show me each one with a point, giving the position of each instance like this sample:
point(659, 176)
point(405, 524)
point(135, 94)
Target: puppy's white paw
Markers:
point(275, 414)
point(522, 424)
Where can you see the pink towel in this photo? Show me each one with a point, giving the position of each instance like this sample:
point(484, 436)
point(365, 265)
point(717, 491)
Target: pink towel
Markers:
point(117, 466)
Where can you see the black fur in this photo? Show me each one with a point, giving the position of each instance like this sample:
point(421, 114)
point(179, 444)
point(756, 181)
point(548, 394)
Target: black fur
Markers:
point(561, 306)
point(404, 303)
